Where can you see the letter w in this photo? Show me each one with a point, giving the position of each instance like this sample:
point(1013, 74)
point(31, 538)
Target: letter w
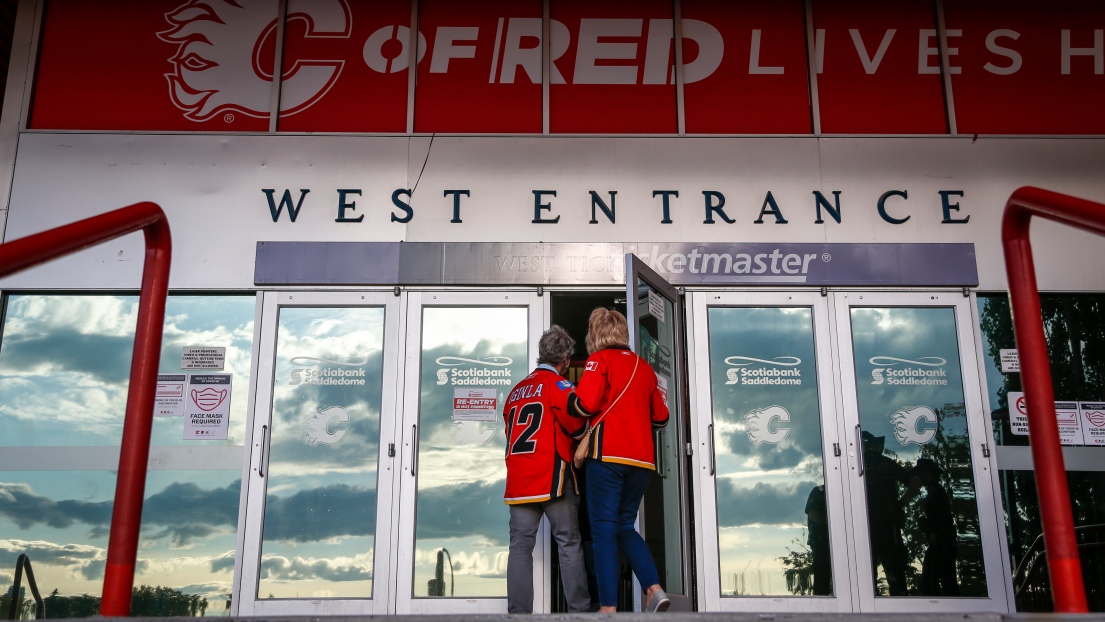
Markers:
point(285, 201)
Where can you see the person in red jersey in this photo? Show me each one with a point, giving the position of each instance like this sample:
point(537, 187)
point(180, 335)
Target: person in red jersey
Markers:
point(620, 393)
point(539, 475)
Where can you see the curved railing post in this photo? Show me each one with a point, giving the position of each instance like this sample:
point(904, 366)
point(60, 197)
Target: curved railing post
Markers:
point(24, 561)
point(1064, 566)
point(126, 515)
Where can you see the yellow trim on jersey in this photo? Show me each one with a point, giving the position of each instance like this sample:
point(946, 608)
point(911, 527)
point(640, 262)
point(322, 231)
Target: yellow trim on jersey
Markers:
point(630, 462)
point(520, 500)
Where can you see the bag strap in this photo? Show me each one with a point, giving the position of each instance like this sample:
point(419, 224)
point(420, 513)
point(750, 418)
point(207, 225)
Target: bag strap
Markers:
point(611, 406)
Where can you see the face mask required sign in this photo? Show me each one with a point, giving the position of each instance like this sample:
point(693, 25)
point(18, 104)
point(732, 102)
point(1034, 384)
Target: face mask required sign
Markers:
point(207, 407)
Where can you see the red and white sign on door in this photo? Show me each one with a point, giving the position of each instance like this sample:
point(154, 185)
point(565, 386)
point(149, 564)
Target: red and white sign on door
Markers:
point(482, 67)
point(612, 67)
point(1027, 67)
point(744, 67)
point(878, 67)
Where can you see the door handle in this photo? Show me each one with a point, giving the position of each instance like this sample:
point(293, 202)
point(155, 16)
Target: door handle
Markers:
point(262, 466)
point(414, 450)
point(713, 463)
point(859, 449)
point(658, 453)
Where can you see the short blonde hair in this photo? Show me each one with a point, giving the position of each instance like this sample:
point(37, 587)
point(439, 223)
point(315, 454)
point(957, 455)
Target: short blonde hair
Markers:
point(606, 328)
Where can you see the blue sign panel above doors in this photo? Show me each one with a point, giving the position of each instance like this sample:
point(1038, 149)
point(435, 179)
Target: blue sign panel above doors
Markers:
point(537, 263)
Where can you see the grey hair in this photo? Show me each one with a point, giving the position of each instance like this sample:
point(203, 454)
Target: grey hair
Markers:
point(555, 345)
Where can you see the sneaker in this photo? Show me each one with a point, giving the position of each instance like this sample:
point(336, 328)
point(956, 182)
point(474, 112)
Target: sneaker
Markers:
point(658, 602)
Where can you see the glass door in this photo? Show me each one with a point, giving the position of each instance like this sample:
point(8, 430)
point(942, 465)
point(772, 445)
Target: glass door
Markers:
point(318, 519)
point(920, 468)
point(773, 524)
point(464, 353)
point(655, 314)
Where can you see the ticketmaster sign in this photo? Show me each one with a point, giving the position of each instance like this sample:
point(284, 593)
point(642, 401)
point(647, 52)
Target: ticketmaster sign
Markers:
point(492, 263)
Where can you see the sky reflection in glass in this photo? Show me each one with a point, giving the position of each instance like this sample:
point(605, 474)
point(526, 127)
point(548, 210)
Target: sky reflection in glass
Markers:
point(461, 472)
point(64, 366)
point(767, 442)
point(320, 510)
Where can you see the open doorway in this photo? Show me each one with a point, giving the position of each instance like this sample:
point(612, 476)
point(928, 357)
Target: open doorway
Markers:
point(571, 310)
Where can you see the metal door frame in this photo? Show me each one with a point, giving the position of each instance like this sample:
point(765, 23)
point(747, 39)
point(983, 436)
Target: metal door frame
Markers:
point(707, 554)
point(635, 268)
point(983, 460)
point(251, 515)
point(406, 443)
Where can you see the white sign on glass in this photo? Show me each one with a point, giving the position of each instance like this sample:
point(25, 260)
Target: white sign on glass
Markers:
point(474, 404)
point(168, 400)
point(1070, 431)
point(1092, 417)
point(656, 306)
point(1018, 413)
point(1066, 416)
point(202, 357)
point(207, 409)
point(1010, 361)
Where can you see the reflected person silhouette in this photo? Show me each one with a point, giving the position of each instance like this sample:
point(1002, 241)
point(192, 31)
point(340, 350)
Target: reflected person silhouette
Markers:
point(817, 523)
point(938, 568)
point(885, 517)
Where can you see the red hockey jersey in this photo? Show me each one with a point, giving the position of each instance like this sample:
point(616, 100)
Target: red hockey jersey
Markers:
point(624, 435)
point(539, 435)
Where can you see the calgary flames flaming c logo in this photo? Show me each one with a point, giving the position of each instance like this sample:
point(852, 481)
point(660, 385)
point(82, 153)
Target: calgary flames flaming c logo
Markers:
point(218, 68)
point(760, 421)
point(318, 425)
point(906, 428)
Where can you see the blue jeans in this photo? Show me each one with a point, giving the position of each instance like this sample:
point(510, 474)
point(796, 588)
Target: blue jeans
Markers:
point(614, 493)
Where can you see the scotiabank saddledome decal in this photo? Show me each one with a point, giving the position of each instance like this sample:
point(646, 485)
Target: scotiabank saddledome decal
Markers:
point(335, 372)
point(460, 371)
point(778, 371)
point(895, 371)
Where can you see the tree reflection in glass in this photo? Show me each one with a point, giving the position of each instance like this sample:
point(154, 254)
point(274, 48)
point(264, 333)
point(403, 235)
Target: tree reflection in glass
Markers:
point(919, 481)
point(1075, 333)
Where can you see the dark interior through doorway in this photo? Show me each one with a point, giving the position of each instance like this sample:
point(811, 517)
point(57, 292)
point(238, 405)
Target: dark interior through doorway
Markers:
point(570, 311)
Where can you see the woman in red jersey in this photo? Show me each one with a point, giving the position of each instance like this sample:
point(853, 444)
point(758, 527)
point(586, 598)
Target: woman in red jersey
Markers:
point(618, 391)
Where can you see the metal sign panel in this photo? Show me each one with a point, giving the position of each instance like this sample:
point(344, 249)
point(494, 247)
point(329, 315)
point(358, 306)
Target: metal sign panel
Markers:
point(493, 263)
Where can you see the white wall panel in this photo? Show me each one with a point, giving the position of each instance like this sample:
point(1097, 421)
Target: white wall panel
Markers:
point(211, 188)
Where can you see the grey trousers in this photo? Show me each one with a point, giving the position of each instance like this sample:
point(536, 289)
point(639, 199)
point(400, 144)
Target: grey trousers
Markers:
point(524, 521)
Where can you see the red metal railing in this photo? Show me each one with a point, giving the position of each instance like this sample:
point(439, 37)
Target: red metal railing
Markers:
point(1067, 587)
point(134, 454)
